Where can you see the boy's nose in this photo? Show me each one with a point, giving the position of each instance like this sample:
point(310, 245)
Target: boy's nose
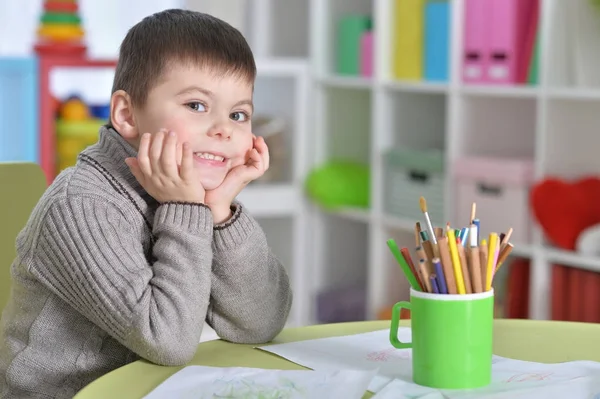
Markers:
point(220, 131)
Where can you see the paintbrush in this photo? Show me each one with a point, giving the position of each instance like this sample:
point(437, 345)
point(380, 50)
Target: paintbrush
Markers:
point(423, 205)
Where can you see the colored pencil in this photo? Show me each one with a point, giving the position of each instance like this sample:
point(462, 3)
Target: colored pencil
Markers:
point(493, 245)
point(434, 284)
point(425, 274)
point(406, 254)
point(412, 280)
point(447, 265)
point(475, 265)
point(456, 266)
point(465, 269)
point(440, 277)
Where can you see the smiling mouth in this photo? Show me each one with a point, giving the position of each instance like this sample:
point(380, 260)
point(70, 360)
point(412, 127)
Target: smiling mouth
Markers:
point(209, 156)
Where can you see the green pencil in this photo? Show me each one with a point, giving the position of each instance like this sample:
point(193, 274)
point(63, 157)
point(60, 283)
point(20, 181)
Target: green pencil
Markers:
point(403, 265)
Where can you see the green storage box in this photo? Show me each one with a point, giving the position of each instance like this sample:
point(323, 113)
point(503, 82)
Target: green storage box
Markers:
point(350, 30)
point(410, 174)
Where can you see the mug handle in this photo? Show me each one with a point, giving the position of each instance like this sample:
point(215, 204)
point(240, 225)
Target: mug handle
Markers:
point(394, 327)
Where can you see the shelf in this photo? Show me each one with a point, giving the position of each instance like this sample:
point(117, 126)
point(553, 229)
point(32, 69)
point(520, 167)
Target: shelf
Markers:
point(271, 200)
point(574, 94)
point(500, 91)
point(355, 214)
point(573, 259)
point(353, 82)
point(417, 87)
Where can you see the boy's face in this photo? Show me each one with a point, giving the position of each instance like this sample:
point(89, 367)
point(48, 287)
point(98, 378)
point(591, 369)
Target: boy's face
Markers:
point(210, 111)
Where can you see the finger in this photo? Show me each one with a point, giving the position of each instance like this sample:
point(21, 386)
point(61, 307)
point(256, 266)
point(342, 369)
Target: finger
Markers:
point(168, 157)
point(187, 162)
point(179, 153)
point(156, 149)
point(143, 155)
point(263, 150)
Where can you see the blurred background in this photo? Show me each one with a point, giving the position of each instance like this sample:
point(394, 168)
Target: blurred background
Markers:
point(366, 106)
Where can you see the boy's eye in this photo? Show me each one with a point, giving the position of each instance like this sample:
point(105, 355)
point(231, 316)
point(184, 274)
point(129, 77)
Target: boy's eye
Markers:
point(196, 106)
point(239, 116)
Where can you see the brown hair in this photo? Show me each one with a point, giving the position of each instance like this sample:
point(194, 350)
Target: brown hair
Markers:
point(178, 35)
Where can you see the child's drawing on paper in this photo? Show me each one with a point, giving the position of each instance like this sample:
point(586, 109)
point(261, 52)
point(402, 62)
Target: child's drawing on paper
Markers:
point(389, 354)
point(201, 382)
point(525, 377)
point(233, 388)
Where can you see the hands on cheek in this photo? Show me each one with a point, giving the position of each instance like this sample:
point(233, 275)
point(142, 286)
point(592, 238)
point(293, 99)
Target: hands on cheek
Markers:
point(157, 169)
point(220, 199)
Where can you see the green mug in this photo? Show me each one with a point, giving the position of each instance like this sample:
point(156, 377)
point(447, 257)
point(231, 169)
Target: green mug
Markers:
point(451, 338)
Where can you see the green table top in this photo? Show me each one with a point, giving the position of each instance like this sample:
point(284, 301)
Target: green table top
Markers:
point(540, 341)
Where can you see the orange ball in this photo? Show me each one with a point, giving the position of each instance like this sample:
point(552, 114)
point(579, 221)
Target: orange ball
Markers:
point(74, 110)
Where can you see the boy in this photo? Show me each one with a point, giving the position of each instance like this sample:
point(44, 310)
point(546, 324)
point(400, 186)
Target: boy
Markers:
point(130, 251)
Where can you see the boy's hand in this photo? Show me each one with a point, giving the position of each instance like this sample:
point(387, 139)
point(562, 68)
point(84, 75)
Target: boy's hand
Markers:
point(219, 200)
point(156, 169)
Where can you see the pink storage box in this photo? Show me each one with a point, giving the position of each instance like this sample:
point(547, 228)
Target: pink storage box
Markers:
point(366, 54)
point(500, 187)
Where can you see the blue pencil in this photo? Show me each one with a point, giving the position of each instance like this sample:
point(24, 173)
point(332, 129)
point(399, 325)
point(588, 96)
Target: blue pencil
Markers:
point(434, 284)
point(441, 279)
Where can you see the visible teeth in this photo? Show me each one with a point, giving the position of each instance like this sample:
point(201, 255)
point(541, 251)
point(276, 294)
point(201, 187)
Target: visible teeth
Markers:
point(207, 155)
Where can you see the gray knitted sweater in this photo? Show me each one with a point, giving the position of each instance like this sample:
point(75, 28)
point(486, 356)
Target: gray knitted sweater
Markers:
point(105, 275)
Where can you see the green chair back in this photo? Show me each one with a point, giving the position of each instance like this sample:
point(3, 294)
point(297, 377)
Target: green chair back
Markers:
point(21, 186)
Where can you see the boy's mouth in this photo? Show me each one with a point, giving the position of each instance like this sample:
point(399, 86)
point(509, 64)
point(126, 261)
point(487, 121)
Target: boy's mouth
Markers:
point(210, 157)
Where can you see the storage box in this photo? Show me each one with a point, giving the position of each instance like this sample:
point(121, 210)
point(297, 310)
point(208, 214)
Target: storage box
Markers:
point(437, 40)
point(19, 110)
point(500, 188)
point(410, 174)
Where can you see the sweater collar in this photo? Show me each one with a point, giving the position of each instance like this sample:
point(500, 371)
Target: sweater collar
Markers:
point(110, 153)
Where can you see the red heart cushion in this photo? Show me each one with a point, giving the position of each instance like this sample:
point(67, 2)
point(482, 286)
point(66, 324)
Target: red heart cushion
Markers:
point(564, 209)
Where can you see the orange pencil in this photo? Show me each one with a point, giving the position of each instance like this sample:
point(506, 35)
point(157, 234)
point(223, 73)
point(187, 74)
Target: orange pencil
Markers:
point(447, 265)
point(428, 247)
point(465, 268)
point(425, 275)
point(504, 255)
point(475, 265)
point(483, 256)
point(406, 254)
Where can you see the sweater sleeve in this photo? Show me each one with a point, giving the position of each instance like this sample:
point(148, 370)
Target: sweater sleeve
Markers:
point(251, 295)
point(90, 254)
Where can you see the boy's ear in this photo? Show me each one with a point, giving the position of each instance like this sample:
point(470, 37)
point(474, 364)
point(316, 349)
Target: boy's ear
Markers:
point(121, 115)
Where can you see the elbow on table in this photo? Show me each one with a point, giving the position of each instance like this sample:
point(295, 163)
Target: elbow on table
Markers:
point(266, 330)
point(172, 352)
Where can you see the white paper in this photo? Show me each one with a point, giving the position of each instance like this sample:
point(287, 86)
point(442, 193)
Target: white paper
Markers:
point(515, 378)
point(203, 382)
point(359, 351)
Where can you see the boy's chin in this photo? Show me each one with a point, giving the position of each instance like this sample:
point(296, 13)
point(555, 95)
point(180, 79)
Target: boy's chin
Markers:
point(210, 184)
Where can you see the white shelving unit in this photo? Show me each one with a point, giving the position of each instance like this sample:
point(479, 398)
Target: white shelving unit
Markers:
point(358, 118)
point(277, 31)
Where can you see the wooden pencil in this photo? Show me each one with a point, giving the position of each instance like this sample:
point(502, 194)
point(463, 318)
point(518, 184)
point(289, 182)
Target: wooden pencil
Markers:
point(417, 234)
point(475, 264)
point(483, 256)
point(503, 255)
point(425, 275)
point(439, 232)
point(447, 265)
point(428, 247)
point(421, 254)
point(465, 268)
point(406, 253)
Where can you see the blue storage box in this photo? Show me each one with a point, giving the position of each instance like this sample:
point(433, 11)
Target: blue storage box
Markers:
point(19, 110)
point(437, 40)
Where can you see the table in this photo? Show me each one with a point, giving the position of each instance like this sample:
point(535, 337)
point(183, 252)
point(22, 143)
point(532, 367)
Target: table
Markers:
point(541, 341)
